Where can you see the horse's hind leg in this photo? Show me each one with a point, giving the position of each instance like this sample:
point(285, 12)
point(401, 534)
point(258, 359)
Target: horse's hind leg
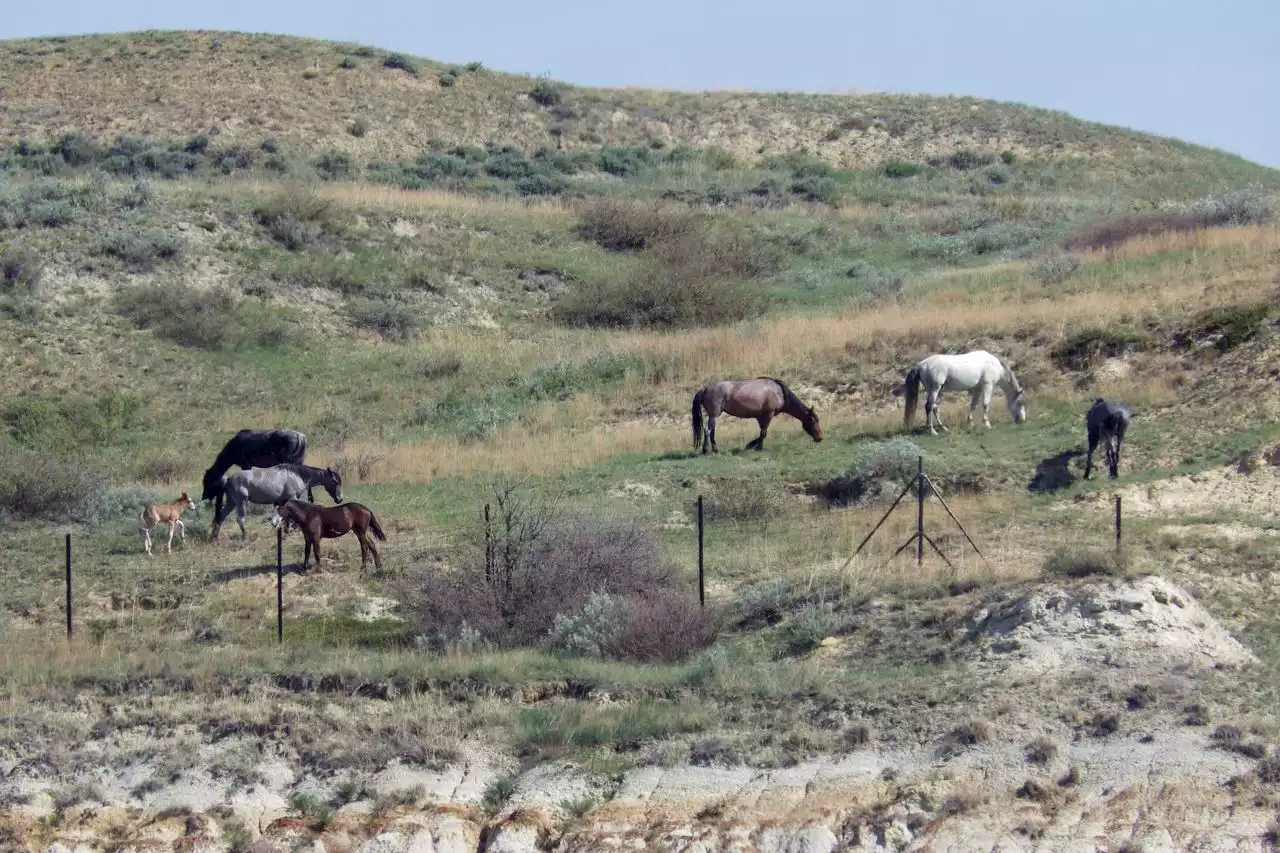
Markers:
point(932, 403)
point(711, 433)
point(240, 510)
point(975, 397)
point(169, 545)
point(758, 442)
point(986, 405)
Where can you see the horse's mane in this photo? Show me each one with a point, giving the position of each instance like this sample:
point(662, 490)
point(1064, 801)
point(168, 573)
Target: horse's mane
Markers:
point(787, 393)
point(1013, 377)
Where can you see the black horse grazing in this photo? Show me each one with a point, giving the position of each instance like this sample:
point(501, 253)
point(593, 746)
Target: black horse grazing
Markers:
point(1106, 421)
point(253, 448)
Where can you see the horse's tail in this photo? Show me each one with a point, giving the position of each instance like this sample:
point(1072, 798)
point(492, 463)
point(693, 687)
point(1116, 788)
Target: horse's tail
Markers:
point(697, 416)
point(910, 395)
point(376, 527)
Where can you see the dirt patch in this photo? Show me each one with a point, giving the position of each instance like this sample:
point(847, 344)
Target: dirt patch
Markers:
point(1226, 488)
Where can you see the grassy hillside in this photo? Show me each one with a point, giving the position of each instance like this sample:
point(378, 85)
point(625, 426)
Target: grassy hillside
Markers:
point(198, 234)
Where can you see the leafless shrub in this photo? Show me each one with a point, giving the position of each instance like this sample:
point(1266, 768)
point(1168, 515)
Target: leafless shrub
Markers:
point(536, 565)
point(667, 625)
point(631, 226)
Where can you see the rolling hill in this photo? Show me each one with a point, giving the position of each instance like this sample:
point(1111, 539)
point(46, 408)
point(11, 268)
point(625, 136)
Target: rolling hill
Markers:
point(487, 300)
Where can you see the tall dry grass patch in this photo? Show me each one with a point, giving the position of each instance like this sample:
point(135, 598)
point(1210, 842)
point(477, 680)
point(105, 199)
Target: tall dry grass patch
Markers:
point(1253, 236)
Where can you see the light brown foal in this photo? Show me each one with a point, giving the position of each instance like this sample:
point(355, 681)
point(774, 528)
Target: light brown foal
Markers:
point(171, 514)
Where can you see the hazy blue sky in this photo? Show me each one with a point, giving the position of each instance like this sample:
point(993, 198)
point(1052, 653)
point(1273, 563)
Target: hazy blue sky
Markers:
point(1205, 72)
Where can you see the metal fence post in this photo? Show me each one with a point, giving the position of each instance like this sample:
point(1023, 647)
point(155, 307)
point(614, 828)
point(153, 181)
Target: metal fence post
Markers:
point(69, 623)
point(702, 588)
point(1117, 522)
point(920, 511)
point(280, 585)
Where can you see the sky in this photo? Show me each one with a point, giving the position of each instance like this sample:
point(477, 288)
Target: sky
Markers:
point(1202, 72)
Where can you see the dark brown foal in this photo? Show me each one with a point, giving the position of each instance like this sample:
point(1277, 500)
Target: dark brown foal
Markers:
point(329, 522)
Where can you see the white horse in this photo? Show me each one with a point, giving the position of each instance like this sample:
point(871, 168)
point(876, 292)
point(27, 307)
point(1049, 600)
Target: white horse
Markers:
point(977, 372)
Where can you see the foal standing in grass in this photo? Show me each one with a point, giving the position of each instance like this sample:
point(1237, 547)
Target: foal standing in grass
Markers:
point(171, 514)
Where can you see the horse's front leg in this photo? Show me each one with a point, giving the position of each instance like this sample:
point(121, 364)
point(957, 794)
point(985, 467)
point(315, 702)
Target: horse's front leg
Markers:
point(758, 443)
point(182, 531)
point(1088, 459)
point(169, 545)
point(146, 540)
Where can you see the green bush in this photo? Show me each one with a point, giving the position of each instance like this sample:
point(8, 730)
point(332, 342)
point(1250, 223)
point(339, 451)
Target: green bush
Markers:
point(878, 472)
point(65, 423)
point(333, 165)
point(103, 506)
point(207, 319)
point(562, 380)
point(1084, 349)
point(470, 419)
point(141, 251)
point(401, 62)
point(296, 217)
point(41, 486)
point(545, 93)
point(1230, 325)
point(1055, 267)
point(359, 126)
point(391, 318)
point(590, 632)
point(741, 499)
point(21, 272)
point(1086, 562)
point(902, 169)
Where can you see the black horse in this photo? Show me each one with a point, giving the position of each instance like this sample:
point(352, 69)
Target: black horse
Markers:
point(1106, 422)
point(253, 448)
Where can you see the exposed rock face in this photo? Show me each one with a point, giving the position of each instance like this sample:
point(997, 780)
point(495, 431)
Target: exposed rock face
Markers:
point(1146, 622)
point(1157, 785)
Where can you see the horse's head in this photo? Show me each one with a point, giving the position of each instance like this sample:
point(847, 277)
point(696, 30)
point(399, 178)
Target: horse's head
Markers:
point(811, 425)
point(1018, 406)
point(283, 512)
point(186, 502)
point(212, 485)
point(333, 484)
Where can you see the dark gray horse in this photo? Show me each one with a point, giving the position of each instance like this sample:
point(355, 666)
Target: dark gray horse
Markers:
point(1106, 421)
point(253, 448)
point(271, 485)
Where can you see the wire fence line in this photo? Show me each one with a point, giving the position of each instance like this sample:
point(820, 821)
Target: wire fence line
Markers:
point(922, 537)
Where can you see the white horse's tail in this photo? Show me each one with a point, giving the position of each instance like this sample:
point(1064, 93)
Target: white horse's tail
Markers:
point(910, 395)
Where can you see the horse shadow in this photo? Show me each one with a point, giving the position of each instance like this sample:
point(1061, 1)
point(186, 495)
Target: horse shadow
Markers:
point(246, 572)
point(1053, 473)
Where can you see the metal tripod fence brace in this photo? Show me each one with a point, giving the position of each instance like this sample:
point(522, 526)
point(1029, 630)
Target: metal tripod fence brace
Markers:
point(919, 537)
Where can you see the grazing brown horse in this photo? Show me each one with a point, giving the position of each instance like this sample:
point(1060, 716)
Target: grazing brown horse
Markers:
point(761, 398)
point(329, 522)
point(171, 514)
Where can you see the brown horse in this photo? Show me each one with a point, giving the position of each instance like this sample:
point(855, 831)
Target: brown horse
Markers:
point(329, 522)
point(761, 398)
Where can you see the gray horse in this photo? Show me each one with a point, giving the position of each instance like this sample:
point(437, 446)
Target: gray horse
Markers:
point(761, 398)
point(1106, 421)
point(271, 485)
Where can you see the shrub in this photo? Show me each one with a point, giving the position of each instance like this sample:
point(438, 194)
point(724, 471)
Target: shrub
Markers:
point(39, 486)
point(141, 251)
point(592, 631)
point(52, 214)
point(400, 62)
point(1119, 229)
point(296, 217)
point(877, 469)
point(537, 566)
point(1228, 326)
point(207, 319)
point(561, 380)
point(21, 271)
point(472, 420)
point(76, 149)
point(68, 422)
point(694, 270)
point(359, 126)
point(627, 226)
point(816, 189)
point(104, 506)
point(902, 169)
point(348, 63)
point(545, 93)
point(333, 164)
point(1042, 750)
point(1008, 157)
point(624, 162)
point(741, 499)
point(965, 159)
point(391, 318)
point(810, 626)
point(447, 80)
point(541, 184)
point(139, 195)
point(764, 604)
point(1087, 347)
point(665, 625)
point(1086, 562)
point(1055, 267)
